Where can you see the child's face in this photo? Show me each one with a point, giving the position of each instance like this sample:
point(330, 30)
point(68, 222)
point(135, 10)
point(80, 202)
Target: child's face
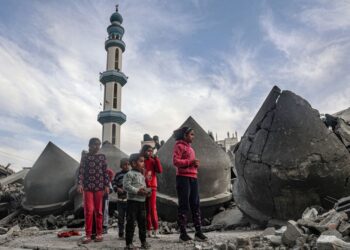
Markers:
point(189, 136)
point(149, 153)
point(94, 147)
point(139, 164)
point(125, 166)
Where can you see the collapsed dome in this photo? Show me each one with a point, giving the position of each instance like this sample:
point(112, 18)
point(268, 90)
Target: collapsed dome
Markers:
point(48, 182)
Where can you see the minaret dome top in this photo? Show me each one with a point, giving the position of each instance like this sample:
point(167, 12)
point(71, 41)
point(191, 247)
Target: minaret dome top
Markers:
point(116, 17)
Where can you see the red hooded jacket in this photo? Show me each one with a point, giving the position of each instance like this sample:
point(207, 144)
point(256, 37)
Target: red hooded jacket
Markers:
point(182, 159)
point(152, 168)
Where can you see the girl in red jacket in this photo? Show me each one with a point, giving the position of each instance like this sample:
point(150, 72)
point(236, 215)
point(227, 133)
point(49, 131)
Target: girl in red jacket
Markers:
point(152, 167)
point(184, 159)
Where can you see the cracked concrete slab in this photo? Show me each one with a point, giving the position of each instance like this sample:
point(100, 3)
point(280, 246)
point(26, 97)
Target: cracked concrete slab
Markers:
point(288, 160)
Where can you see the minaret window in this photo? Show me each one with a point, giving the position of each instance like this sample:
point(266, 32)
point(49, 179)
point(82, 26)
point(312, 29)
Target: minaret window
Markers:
point(116, 61)
point(115, 92)
point(113, 133)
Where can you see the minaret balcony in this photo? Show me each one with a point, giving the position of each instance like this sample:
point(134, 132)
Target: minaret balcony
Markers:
point(113, 76)
point(111, 116)
point(115, 42)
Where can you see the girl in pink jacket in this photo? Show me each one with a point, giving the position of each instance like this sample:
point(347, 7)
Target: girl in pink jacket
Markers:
point(184, 159)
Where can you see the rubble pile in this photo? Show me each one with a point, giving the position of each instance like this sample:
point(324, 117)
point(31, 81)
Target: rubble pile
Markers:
point(288, 160)
point(11, 197)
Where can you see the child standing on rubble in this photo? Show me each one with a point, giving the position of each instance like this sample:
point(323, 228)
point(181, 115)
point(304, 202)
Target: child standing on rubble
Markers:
point(152, 168)
point(135, 186)
point(186, 164)
point(118, 188)
point(93, 182)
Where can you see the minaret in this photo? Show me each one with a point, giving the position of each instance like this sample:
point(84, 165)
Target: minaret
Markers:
point(113, 80)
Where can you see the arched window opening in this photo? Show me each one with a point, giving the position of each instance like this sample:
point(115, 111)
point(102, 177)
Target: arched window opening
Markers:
point(115, 92)
point(116, 59)
point(113, 133)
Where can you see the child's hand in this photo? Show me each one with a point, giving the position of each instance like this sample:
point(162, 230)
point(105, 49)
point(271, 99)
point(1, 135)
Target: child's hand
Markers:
point(142, 191)
point(195, 163)
point(80, 189)
point(107, 190)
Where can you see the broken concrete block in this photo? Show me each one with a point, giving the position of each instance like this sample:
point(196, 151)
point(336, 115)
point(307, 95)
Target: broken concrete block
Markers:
point(327, 242)
point(3, 230)
point(344, 228)
point(243, 242)
point(292, 233)
point(310, 214)
point(230, 219)
point(275, 240)
point(269, 231)
point(291, 160)
point(333, 232)
point(220, 246)
point(333, 219)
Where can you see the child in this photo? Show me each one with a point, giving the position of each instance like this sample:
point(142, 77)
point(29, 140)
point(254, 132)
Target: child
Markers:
point(106, 201)
point(186, 164)
point(93, 182)
point(118, 188)
point(135, 186)
point(152, 166)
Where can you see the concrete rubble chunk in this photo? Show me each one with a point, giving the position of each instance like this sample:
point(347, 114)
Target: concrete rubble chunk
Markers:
point(275, 240)
point(310, 214)
point(287, 159)
point(312, 225)
point(230, 219)
point(333, 232)
point(344, 228)
point(48, 182)
point(330, 242)
point(292, 233)
point(333, 220)
point(269, 231)
point(214, 175)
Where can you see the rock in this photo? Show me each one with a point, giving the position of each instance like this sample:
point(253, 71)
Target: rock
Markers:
point(197, 247)
point(14, 231)
point(243, 242)
point(230, 219)
point(312, 225)
point(333, 232)
point(310, 214)
point(70, 217)
point(231, 246)
point(30, 231)
point(327, 242)
point(333, 219)
point(269, 231)
point(281, 230)
point(3, 230)
point(274, 239)
point(291, 234)
point(344, 228)
point(220, 246)
point(288, 159)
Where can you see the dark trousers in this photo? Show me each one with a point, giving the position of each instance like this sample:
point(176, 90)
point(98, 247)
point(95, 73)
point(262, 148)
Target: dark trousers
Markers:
point(135, 211)
point(188, 197)
point(121, 207)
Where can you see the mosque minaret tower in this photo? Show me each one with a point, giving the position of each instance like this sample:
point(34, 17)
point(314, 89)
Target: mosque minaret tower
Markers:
point(113, 80)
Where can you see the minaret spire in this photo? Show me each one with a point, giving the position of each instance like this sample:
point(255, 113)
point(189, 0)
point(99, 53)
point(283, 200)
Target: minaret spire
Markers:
point(113, 80)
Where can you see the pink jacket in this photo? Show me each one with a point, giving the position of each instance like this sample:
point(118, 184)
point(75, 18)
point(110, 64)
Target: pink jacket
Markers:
point(182, 159)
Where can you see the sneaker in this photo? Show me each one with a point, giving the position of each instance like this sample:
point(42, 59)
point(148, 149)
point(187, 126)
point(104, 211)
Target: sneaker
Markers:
point(199, 236)
point(156, 234)
point(145, 245)
point(149, 233)
point(86, 240)
point(184, 237)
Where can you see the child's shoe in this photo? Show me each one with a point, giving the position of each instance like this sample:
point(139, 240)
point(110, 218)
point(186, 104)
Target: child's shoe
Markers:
point(99, 238)
point(184, 237)
point(156, 234)
point(86, 240)
point(199, 236)
point(149, 233)
point(145, 245)
point(130, 247)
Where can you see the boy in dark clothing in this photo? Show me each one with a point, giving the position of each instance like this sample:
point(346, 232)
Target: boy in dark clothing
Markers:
point(118, 188)
point(135, 186)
